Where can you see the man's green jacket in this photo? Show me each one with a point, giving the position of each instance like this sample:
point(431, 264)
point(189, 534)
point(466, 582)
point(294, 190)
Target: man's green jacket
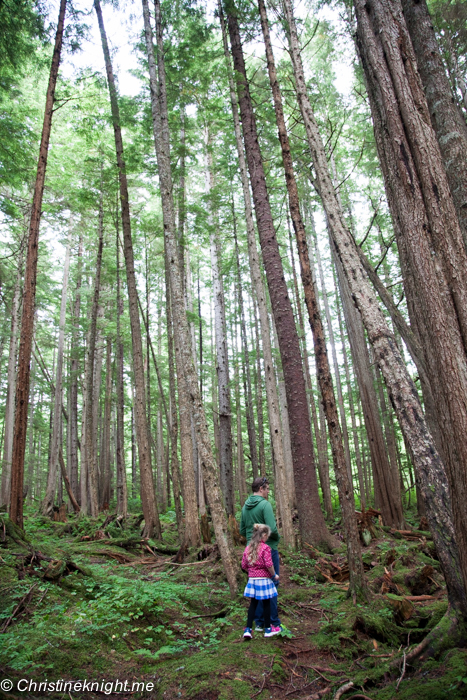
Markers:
point(258, 510)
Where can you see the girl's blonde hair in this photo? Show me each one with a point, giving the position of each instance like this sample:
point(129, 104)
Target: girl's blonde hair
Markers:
point(256, 538)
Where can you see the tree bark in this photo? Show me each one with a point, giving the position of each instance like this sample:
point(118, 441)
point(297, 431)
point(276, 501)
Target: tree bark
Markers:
point(48, 502)
point(402, 391)
point(29, 293)
point(250, 417)
point(105, 459)
point(332, 343)
point(89, 416)
point(432, 251)
point(358, 457)
point(222, 359)
point(446, 117)
point(11, 385)
point(122, 489)
point(152, 526)
point(74, 372)
point(282, 491)
point(312, 524)
point(183, 351)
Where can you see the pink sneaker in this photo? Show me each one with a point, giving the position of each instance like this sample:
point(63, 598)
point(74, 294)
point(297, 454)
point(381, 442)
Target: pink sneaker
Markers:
point(271, 631)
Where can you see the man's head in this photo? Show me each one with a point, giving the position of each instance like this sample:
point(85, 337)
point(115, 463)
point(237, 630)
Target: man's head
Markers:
point(260, 486)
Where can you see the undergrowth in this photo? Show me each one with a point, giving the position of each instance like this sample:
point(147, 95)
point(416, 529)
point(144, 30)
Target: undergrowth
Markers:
point(178, 626)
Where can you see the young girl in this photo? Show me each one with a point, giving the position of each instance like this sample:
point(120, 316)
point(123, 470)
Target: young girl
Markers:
point(257, 561)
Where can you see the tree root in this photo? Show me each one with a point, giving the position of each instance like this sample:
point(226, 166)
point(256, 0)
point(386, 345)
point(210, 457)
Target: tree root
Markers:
point(448, 633)
point(343, 689)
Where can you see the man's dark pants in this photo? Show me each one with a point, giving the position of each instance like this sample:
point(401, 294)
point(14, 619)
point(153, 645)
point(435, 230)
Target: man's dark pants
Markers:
point(275, 622)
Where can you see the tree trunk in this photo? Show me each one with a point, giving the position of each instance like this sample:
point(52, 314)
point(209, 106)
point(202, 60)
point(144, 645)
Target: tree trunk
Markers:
point(285, 493)
point(122, 489)
point(357, 588)
point(222, 359)
point(89, 455)
point(29, 293)
point(11, 386)
point(446, 117)
point(400, 386)
point(96, 406)
point(183, 351)
point(105, 460)
point(259, 403)
point(432, 251)
point(387, 491)
point(358, 457)
point(241, 478)
point(173, 424)
point(250, 418)
point(74, 372)
point(29, 484)
point(312, 524)
point(48, 502)
point(152, 526)
point(332, 343)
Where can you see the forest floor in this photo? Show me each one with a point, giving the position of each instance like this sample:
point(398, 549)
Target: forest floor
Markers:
point(88, 602)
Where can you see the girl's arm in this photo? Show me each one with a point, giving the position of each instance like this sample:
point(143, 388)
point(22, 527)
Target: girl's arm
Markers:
point(268, 562)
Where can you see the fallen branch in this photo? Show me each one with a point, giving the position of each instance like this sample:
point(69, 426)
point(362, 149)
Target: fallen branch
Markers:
point(22, 603)
point(402, 674)
point(121, 558)
point(266, 676)
point(324, 669)
point(343, 689)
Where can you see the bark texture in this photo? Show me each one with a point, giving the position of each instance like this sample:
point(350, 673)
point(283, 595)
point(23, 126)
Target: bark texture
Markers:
point(357, 588)
point(222, 358)
point(152, 526)
point(183, 351)
point(11, 386)
point(432, 252)
point(401, 389)
point(446, 117)
point(312, 524)
point(90, 460)
point(284, 489)
point(48, 502)
point(29, 292)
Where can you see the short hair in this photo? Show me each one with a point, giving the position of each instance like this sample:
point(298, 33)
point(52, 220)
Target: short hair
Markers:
point(258, 483)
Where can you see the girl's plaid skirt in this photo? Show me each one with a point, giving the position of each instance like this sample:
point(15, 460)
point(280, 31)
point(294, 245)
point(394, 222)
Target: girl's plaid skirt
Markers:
point(260, 588)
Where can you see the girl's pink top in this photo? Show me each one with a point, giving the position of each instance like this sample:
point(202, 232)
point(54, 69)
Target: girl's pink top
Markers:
point(259, 569)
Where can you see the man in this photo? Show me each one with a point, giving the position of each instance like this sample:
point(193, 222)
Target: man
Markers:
point(257, 509)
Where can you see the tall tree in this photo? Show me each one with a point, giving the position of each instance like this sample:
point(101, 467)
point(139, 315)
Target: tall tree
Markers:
point(312, 524)
point(183, 351)
point(11, 379)
point(283, 492)
point(152, 526)
point(432, 252)
point(402, 391)
point(342, 466)
point(29, 293)
point(89, 483)
point(74, 371)
point(222, 357)
point(48, 501)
